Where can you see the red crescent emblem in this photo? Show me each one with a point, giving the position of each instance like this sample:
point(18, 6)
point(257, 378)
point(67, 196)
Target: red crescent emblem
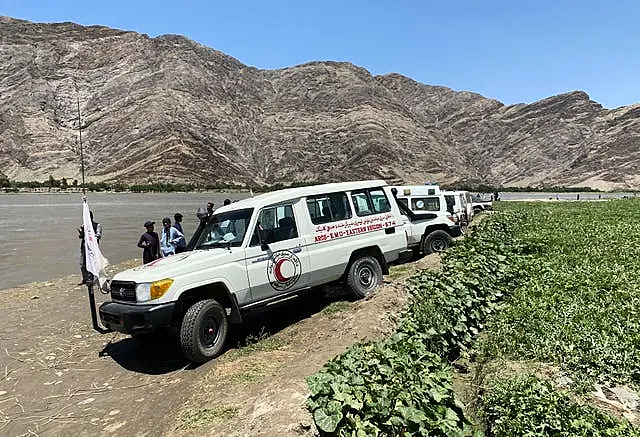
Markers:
point(277, 272)
point(283, 270)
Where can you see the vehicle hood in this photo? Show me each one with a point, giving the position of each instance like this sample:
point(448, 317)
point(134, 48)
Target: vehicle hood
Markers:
point(176, 265)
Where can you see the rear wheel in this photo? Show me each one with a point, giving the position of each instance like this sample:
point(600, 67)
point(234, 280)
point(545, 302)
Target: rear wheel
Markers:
point(437, 241)
point(204, 331)
point(364, 276)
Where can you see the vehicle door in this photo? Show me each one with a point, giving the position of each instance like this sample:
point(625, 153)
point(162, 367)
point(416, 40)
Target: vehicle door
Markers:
point(279, 263)
point(330, 215)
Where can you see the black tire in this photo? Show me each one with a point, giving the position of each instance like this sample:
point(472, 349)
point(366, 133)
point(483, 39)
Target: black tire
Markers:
point(204, 331)
point(364, 276)
point(437, 241)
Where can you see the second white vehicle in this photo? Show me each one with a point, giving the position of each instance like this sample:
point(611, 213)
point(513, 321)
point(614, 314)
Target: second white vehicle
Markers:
point(431, 225)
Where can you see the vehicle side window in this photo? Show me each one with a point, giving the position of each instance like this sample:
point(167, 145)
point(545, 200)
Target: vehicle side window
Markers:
point(278, 224)
point(451, 202)
point(361, 203)
point(425, 204)
point(367, 202)
point(380, 201)
point(327, 208)
point(404, 201)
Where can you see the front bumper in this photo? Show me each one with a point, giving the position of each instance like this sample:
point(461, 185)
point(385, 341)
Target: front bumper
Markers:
point(136, 319)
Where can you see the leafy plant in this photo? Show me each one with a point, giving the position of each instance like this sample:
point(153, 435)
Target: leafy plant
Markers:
point(393, 387)
point(556, 283)
point(578, 303)
point(529, 406)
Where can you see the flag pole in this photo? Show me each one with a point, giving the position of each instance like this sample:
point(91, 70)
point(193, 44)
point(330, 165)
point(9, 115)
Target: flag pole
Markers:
point(92, 298)
point(84, 194)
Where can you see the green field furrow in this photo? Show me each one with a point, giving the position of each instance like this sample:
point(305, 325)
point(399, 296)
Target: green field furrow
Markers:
point(538, 290)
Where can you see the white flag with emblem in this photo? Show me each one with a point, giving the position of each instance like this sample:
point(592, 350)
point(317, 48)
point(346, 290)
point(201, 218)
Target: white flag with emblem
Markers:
point(95, 262)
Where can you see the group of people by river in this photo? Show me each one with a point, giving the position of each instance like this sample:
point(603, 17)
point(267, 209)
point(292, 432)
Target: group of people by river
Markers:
point(171, 239)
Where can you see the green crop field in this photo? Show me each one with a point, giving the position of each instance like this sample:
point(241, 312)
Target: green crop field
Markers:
point(539, 290)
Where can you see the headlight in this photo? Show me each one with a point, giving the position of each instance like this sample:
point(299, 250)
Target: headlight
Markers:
point(154, 290)
point(143, 292)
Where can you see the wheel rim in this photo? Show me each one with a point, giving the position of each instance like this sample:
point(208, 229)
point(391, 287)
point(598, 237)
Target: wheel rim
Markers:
point(366, 277)
point(438, 245)
point(209, 332)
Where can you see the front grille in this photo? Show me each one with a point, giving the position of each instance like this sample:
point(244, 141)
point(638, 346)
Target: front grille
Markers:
point(123, 290)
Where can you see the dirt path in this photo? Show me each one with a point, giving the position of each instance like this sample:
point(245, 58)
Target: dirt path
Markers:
point(58, 377)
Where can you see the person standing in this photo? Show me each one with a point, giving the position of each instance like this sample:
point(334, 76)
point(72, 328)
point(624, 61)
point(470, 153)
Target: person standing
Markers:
point(150, 243)
point(177, 223)
point(87, 277)
point(169, 238)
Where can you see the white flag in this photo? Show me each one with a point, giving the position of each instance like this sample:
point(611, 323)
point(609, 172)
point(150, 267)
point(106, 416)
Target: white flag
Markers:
point(94, 260)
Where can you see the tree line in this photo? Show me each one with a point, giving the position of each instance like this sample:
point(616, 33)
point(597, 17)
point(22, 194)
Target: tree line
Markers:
point(64, 183)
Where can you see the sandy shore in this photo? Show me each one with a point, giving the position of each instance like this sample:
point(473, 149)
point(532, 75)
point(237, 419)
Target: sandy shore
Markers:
point(58, 377)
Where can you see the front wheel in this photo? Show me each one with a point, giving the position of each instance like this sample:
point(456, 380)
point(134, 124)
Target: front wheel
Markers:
point(437, 241)
point(204, 331)
point(364, 275)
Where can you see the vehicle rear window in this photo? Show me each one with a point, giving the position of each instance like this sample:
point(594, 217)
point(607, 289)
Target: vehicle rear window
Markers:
point(425, 204)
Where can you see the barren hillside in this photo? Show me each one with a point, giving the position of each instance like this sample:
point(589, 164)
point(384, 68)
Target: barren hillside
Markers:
point(169, 109)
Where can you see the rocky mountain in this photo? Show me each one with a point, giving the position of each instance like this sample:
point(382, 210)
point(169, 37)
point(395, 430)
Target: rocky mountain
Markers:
point(169, 109)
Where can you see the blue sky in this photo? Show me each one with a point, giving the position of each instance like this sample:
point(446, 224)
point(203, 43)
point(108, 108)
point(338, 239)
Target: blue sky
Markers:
point(514, 51)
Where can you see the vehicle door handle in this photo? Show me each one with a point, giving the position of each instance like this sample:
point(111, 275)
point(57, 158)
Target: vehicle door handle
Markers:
point(390, 230)
point(259, 260)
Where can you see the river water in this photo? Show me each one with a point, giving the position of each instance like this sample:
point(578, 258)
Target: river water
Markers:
point(39, 236)
point(38, 231)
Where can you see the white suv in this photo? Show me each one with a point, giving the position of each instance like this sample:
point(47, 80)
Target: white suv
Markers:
point(460, 202)
point(256, 252)
point(431, 225)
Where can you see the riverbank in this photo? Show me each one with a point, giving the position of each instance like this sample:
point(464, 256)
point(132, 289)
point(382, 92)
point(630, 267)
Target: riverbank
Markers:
point(59, 377)
point(41, 241)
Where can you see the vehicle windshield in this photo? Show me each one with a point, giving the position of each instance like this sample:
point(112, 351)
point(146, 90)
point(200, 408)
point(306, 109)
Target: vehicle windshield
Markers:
point(224, 230)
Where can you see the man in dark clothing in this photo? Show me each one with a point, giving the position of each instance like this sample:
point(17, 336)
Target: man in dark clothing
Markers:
point(182, 245)
point(150, 243)
point(177, 218)
point(87, 277)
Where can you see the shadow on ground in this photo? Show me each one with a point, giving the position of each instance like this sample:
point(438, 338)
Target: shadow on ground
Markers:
point(154, 355)
point(160, 353)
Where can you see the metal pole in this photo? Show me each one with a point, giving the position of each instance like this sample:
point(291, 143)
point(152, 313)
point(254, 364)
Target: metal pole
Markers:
point(94, 315)
point(92, 298)
point(81, 152)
